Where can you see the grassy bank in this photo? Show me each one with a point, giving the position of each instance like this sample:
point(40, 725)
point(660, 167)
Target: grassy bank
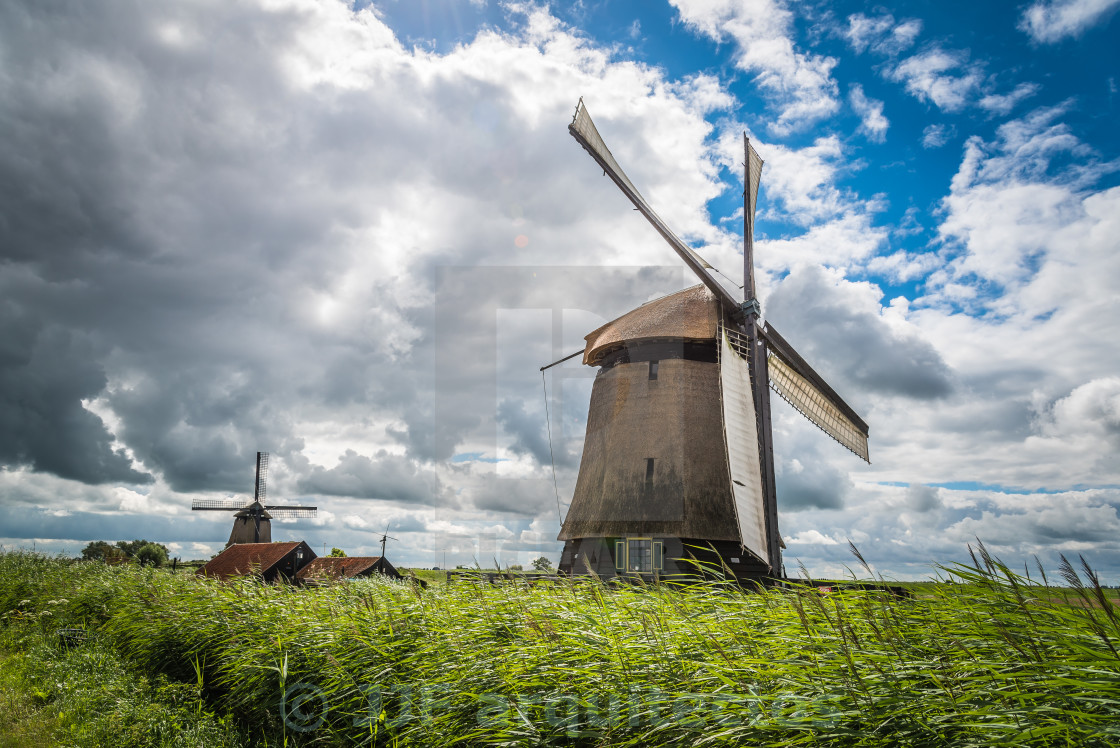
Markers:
point(90, 696)
point(995, 659)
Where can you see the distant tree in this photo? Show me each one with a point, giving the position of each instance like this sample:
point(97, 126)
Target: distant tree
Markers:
point(131, 547)
point(99, 550)
point(338, 553)
point(516, 567)
point(96, 550)
point(542, 564)
point(152, 554)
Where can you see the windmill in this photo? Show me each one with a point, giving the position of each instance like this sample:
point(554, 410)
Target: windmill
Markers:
point(385, 536)
point(252, 520)
point(678, 457)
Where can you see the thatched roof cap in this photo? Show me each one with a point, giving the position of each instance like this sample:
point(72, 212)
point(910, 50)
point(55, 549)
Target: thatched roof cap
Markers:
point(689, 315)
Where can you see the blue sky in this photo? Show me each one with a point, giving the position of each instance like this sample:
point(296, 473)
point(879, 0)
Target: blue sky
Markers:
point(350, 235)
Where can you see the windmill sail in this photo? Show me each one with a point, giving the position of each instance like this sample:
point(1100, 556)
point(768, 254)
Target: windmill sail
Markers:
point(806, 391)
point(741, 435)
point(754, 176)
point(583, 130)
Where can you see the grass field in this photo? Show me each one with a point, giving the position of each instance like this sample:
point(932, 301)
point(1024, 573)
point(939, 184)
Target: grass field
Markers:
point(995, 658)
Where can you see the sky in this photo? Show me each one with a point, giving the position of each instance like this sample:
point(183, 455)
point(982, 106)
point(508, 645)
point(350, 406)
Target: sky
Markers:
point(351, 234)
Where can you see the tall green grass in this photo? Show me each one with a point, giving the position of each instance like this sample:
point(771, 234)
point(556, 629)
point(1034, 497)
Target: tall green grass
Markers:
point(79, 691)
point(988, 657)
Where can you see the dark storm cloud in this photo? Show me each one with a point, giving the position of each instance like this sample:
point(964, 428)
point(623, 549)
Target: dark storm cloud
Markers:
point(921, 498)
point(530, 435)
point(203, 427)
point(811, 483)
point(45, 373)
point(386, 476)
point(835, 334)
point(466, 349)
point(513, 497)
point(155, 242)
point(36, 523)
point(180, 196)
point(107, 154)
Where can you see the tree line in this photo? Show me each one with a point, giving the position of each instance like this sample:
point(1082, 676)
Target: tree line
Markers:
point(143, 552)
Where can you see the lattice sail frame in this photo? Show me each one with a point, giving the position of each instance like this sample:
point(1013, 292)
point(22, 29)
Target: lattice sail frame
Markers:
point(222, 504)
point(816, 406)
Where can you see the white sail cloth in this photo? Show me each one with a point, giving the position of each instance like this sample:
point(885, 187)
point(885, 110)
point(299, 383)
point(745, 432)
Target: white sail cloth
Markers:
point(740, 429)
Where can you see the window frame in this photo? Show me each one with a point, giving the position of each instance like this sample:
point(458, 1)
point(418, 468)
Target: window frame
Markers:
point(622, 555)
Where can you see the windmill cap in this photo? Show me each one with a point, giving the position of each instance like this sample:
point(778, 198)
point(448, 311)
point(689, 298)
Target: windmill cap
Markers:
point(690, 315)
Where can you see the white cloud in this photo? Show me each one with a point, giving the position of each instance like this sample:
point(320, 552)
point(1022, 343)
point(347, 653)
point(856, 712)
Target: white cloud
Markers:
point(1085, 422)
point(873, 124)
point(1003, 104)
point(880, 34)
point(1006, 207)
point(801, 182)
point(810, 537)
point(902, 266)
point(843, 242)
point(935, 136)
point(942, 77)
point(1051, 21)
point(799, 84)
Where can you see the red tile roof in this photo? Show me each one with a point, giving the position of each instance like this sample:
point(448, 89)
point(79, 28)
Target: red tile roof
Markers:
point(245, 558)
point(337, 567)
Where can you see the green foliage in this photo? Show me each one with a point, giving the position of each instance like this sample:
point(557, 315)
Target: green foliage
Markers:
point(133, 547)
point(152, 554)
point(99, 550)
point(996, 658)
point(427, 575)
point(338, 553)
point(542, 564)
point(142, 551)
point(516, 567)
point(97, 699)
point(86, 694)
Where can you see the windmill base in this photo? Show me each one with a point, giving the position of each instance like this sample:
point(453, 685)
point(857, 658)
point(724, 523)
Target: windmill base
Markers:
point(648, 558)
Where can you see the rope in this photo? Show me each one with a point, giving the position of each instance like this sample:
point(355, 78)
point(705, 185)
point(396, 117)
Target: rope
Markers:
point(555, 486)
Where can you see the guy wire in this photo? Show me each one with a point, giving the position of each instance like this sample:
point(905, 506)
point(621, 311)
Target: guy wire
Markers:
point(548, 422)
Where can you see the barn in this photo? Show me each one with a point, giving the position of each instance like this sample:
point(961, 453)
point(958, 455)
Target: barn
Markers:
point(335, 569)
point(272, 561)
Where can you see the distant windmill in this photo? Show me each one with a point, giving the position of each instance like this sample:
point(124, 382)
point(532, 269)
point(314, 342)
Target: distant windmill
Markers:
point(385, 536)
point(251, 521)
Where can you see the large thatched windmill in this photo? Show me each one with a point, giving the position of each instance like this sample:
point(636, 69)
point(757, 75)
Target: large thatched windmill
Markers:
point(678, 458)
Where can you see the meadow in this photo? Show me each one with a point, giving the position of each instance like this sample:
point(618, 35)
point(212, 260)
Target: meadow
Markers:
point(986, 657)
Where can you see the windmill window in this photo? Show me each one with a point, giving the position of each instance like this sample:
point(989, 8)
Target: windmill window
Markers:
point(649, 471)
point(652, 370)
point(639, 555)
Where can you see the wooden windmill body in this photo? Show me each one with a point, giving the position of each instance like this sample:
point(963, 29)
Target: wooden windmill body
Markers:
point(678, 459)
